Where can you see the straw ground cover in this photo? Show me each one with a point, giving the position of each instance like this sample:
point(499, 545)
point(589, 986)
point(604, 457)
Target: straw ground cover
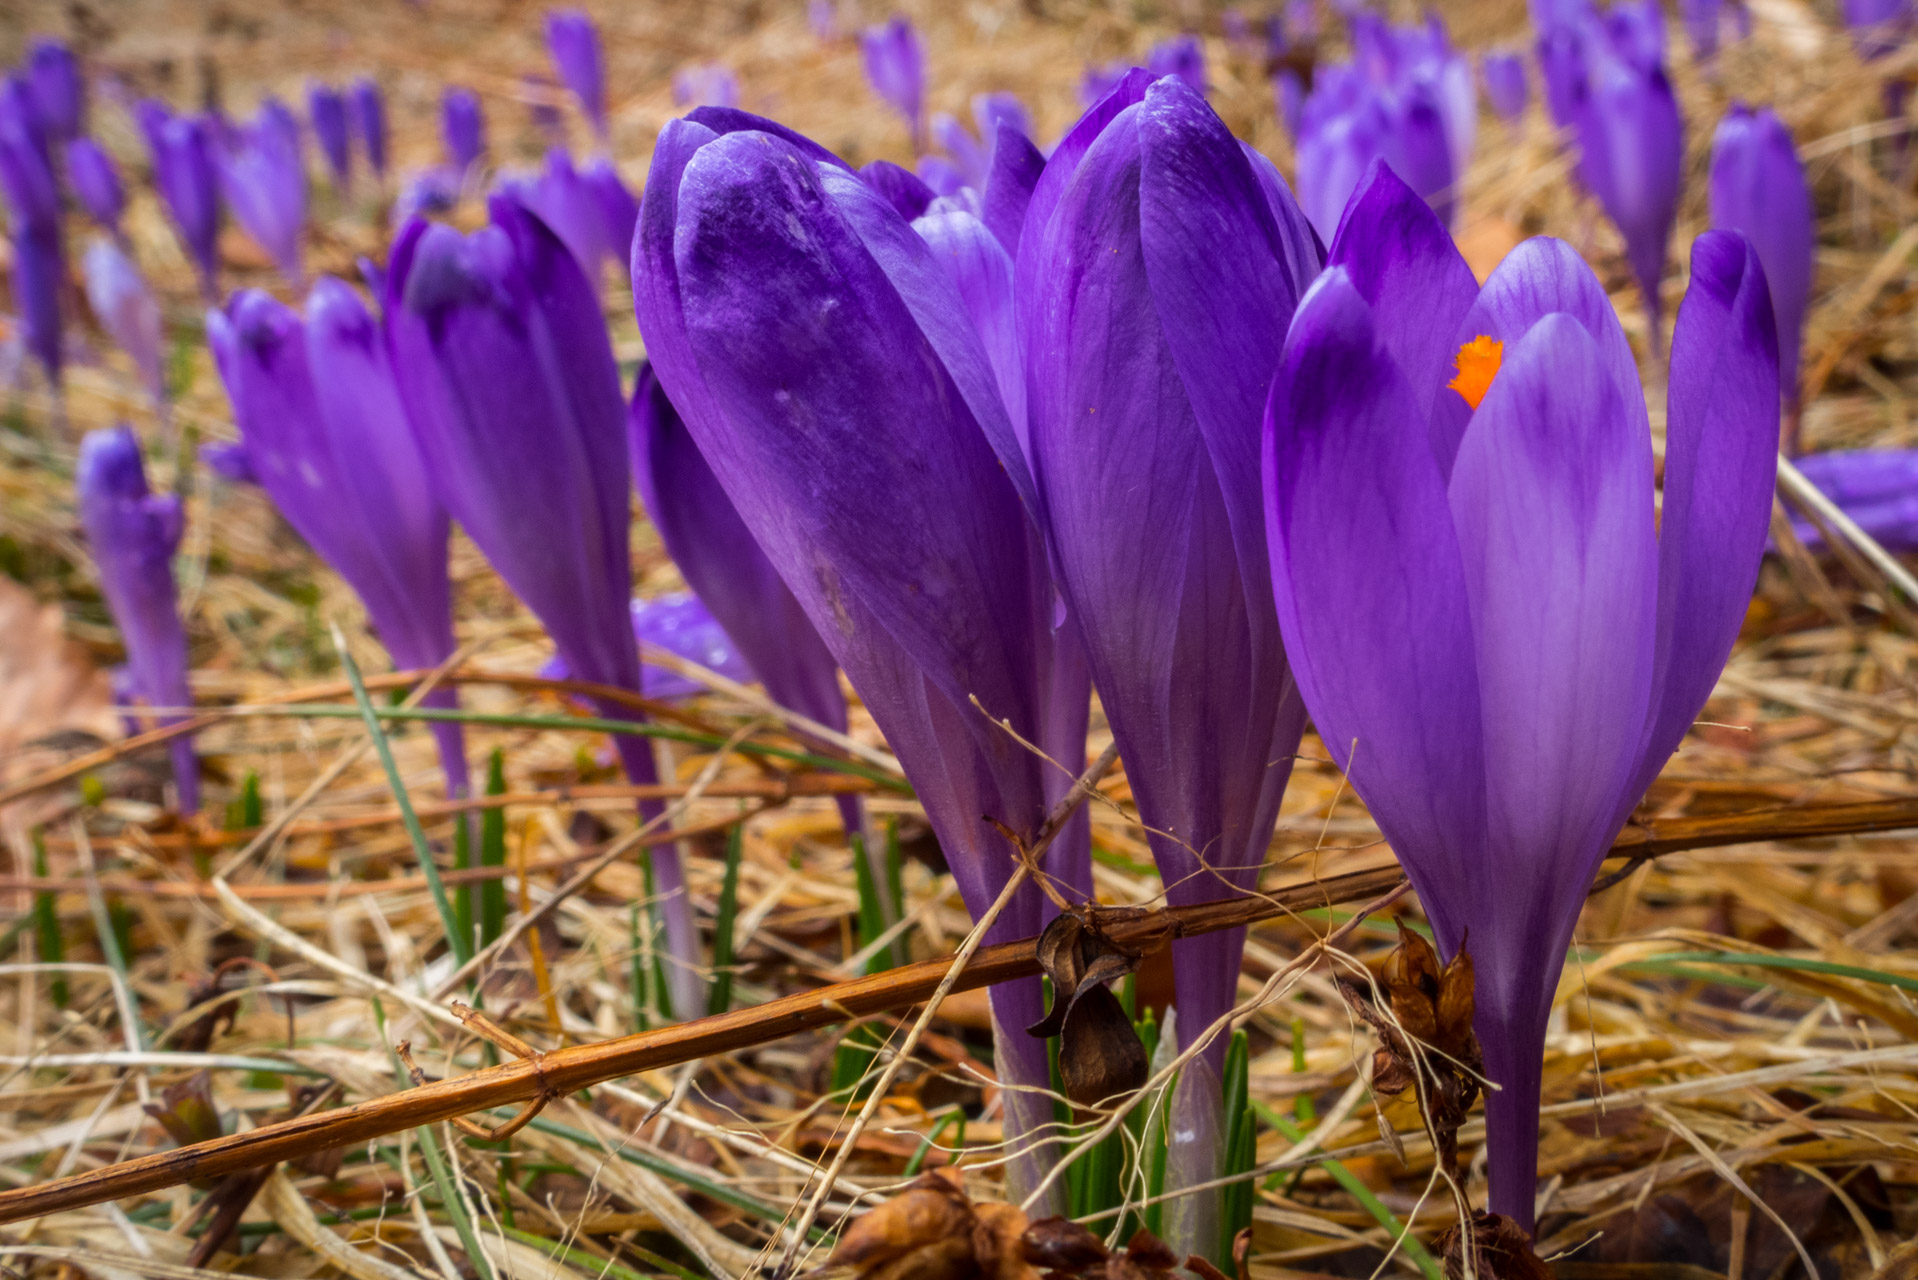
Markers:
point(1731, 1075)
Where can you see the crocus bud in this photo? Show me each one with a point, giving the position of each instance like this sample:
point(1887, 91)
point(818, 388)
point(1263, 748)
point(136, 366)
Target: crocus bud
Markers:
point(1155, 233)
point(33, 199)
point(96, 181)
point(1181, 56)
point(1702, 20)
point(886, 389)
point(1631, 142)
point(264, 181)
point(1758, 189)
point(506, 370)
point(618, 209)
point(58, 96)
point(326, 107)
point(133, 534)
point(1505, 86)
point(570, 208)
point(705, 84)
point(896, 69)
point(990, 110)
point(324, 434)
point(125, 307)
point(574, 43)
point(186, 171)
point(1878, 488)
point(1499, 643)
point(1878, 27)
point(463, 127)
point(369, 121)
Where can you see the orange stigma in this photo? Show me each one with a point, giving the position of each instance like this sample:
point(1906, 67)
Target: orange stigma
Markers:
point(1478, 362)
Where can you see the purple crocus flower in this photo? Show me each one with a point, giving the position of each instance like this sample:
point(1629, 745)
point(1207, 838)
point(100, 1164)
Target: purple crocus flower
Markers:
point(1878, 27)
point(1702, 19)
point(1155, 232)
point(823, 17)
point(187, 173)
point(263, 177)
point(369, 121)
point(1505, 85)
point(96, 181)
point(429, 191)
point(1758, 189)
point(885, 389)
point(1878, 488)
point(971, 157)
point(569, 208)
point(618, 208)
point(1181, 56)
point(325, 435)
point(506, 370)
point(574, 43)
point(33, 203)
point(896, 69)
point(1349, 121)
point(705, 84)
point(463, 127)
point(1099, 81)
point(326, 107)
point(724, 566)
point(133, 534)
point(59, 99)
point(125, 307)
point(1498, 642)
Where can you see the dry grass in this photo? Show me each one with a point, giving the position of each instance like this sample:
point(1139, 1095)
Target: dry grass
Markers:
point(1687, 1101)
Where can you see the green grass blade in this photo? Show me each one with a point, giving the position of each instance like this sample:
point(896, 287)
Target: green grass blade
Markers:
point(50, 943)
point(724, 917)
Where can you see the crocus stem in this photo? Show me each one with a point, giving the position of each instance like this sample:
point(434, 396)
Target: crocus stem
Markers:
point(669, 881)
point(1514, 1050)
point(186, 775)
point(1026, 1079)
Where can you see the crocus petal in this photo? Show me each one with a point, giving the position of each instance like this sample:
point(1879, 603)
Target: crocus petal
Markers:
point(1402, 261)
point(982, 272)
point(840, 377)
point(1010, 179)
point(126, 308)
point(326, 106)
point(1538, 278)
point(1720, 466)
point(902, 188)
point(96, 182)
point(369, 120)
point(1370, 588)
point(1221, 280)
point(574, 43)
point(133, 534)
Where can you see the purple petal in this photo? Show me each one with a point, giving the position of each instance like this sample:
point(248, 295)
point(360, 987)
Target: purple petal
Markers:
point(574, 42)
point(901, 188)
point(982, 272)
point(1370, 588)
point(326, 107)
point(1014, 172)
point(1721, 445)
point(1538, 278)
point(1402, 261)
point(96, 182)
point(463, 127)
point(125, 307)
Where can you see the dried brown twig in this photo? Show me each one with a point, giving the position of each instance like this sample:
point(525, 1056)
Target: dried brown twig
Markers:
point(570, 1069)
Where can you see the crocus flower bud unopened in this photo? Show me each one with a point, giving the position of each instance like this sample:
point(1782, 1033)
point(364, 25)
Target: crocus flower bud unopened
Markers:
point(133, 534)
point(463, 128)
point(507, 373)
point(96, 182)
point(1758, 189)
point(896, 68)
point(126, 309)
point(1631, 142)
point(324, 434)
point(1877, 488)
point(1159, 265)
point(326, 107)
point(368, 110)
point(33, 203)
point(618, 208)
point(1505, 86)
point(58, 95)
point(1878, 27)
point(1702, 19)
point(705, 84)
point(264, 181)
point(1181, 56)
point(187, 173)
point(574, 43)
